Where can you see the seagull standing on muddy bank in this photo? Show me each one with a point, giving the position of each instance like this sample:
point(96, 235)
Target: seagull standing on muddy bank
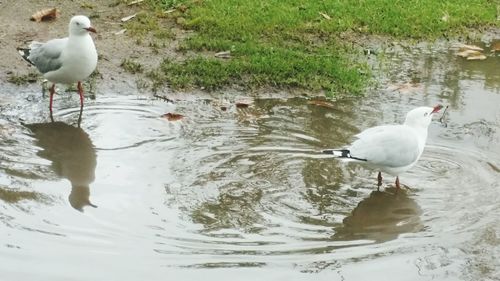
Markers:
point(392, 149)
point(65, 60)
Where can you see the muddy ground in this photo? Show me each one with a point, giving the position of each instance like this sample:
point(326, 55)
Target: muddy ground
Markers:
point(16, 30)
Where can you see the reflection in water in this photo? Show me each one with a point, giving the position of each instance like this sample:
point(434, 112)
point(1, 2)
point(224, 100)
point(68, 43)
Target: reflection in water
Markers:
point(381, 217)
point(73, 157)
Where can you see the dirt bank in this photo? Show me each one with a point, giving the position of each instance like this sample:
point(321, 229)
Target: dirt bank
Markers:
point(16, 30)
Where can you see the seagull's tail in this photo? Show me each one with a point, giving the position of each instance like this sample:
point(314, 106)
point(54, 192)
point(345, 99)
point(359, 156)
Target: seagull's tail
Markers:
point(342, 153)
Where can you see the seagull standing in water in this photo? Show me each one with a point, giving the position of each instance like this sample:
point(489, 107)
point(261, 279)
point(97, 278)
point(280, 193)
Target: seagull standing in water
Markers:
point(392, 149)
point(65, 60)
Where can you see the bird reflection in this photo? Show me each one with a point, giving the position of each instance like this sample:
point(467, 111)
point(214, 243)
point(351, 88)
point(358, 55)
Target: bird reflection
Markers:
point(72, 154)
point(381, 217)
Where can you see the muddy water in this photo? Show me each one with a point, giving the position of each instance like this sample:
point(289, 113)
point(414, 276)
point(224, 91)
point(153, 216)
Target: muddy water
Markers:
point(242, 194)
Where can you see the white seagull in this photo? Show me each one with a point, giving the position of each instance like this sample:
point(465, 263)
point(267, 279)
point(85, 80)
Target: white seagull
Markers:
point(392, 149)
point(65, 60)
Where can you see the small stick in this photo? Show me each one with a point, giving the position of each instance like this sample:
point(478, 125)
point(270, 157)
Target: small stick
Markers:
point(441, 119)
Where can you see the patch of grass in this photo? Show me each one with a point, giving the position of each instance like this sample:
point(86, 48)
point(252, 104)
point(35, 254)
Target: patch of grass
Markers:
point(146, 23)
point(297, 43)
point(131, 66)
point(23, 79)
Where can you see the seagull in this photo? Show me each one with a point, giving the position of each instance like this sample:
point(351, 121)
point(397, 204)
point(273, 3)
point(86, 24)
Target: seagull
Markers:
point(65, 60)
point(391, 149)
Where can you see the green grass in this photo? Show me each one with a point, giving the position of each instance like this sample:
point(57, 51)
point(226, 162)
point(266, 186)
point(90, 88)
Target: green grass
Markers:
point(144, 24)
point(23, 79)
point(132, 66)
point(292, 44)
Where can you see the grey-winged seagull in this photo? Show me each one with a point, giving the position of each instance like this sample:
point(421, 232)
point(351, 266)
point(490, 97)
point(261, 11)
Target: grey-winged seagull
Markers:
point(392, 149)
point(65, 60)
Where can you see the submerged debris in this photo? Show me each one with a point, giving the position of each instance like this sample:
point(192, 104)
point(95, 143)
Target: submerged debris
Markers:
point(471, 52)
point(321, 103)
point(172, 116)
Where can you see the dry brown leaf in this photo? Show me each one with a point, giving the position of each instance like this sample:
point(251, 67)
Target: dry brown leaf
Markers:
point(495, 47)
point(242, 105)
point(45, 15)
point(470, 47)
point(172, 116)
point(326, 16)
point(321, 103)
point(476, 57)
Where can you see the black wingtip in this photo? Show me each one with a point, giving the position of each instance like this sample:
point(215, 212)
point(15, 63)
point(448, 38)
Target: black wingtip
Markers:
point(341, 153)
point(25, 53)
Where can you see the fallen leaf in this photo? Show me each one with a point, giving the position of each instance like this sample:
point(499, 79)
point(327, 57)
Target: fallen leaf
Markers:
point(326, 16)
point(405, 87)
point(321, 103)
point(172, 116)
point(476, 57)
point(468, 53)
point(470, 47)
point(128, 18)
point(242, 105)
point(45, 15)
point(135, 2)
point(495, 47)
point(223, 55)
point(120, 32)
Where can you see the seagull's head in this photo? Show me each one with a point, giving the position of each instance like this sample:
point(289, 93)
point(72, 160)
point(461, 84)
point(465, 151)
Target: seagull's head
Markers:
point(79, 25)
point(421, 117)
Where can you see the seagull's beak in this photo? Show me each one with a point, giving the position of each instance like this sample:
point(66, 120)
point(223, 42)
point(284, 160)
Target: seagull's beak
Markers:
point(436, 108)
point(91, 29)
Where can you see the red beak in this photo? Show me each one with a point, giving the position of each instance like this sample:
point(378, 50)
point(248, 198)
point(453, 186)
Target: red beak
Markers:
point(437, 108)
point(91, 29)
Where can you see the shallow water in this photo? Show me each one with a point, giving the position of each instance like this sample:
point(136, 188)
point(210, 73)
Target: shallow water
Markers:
point(242, 193)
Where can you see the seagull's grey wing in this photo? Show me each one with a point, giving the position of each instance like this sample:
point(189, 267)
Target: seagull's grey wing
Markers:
point(391, 146)
point(47, 56)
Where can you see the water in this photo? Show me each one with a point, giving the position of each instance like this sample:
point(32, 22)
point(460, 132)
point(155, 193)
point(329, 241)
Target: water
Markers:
point(242, 192)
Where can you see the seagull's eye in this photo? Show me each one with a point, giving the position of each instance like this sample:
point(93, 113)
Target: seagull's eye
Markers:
point(425, 114)
point(77, 23)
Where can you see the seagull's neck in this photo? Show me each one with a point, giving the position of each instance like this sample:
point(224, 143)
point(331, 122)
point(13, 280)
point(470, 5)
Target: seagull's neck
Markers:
point(421, 133)
point(80, 36)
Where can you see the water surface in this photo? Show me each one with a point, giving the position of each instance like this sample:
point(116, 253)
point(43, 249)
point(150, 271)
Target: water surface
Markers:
point(241, 192)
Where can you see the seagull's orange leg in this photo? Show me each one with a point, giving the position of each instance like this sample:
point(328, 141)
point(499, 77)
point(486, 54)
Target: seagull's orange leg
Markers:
point(52, 91)
point(379, 183)
point(80, 92)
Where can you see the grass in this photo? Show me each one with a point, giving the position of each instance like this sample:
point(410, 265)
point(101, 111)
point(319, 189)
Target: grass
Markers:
point(296, 44)
point(144, 24)
point(23, 79)
point(131, 66)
